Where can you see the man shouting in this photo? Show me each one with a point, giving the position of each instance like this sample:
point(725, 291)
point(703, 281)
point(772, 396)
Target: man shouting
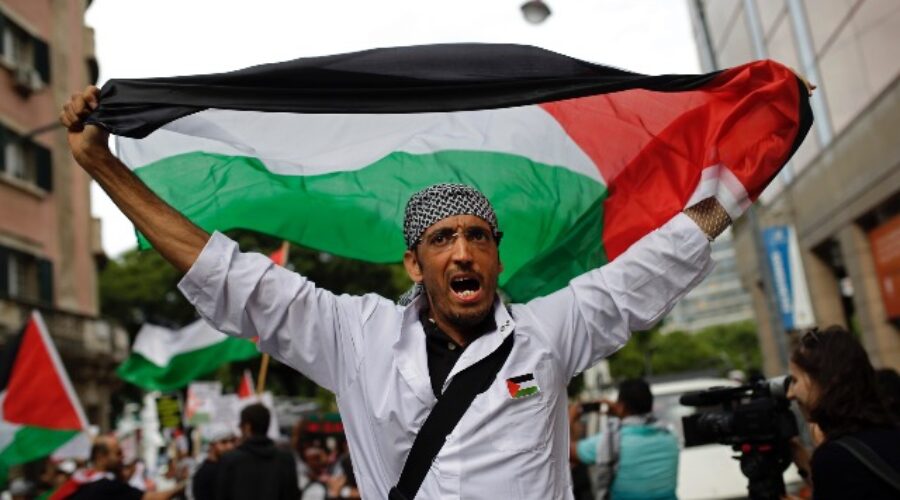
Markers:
point(390, 365)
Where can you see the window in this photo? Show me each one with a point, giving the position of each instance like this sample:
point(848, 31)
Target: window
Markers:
point(27, 56)
point(17, 162)
point(16, 46)
point(25, 160)
point(25, 277)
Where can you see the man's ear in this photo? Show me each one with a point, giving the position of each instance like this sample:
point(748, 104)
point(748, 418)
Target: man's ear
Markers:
point(411, 263)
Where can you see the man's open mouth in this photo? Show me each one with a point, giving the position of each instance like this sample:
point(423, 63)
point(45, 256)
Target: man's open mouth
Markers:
point(466, 288)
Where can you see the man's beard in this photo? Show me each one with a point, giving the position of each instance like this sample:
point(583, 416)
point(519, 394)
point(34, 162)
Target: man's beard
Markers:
point(467, 319)
point(471, 319)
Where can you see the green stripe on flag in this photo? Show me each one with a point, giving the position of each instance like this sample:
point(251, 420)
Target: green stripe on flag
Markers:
point(554, 231)
point(31, 443)
point(574, 253)
point(186, 367)
point(528, 391)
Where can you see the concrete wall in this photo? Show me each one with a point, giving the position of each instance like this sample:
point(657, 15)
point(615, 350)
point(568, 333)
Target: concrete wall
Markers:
point(858, 173)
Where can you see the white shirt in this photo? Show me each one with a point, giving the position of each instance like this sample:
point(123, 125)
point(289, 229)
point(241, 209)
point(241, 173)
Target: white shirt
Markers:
point(371, 353)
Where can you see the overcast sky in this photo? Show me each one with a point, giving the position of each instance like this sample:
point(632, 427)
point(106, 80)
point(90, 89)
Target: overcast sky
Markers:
point(150, 38)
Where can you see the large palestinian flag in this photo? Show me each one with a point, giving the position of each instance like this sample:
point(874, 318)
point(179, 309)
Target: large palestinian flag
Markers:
point(40, 410)
point(580, 160)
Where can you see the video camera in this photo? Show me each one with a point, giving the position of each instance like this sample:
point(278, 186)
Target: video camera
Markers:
point(756, 421)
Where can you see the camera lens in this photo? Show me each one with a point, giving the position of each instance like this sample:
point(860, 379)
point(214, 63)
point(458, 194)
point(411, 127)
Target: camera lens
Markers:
point(778, 386)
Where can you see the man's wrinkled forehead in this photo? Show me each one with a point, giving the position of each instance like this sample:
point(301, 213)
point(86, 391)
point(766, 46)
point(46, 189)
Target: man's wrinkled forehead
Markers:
point(456, 222)
point(441, 201)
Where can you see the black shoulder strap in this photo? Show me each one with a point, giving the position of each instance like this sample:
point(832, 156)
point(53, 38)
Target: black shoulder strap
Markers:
point(871, 460)
point(446, 413)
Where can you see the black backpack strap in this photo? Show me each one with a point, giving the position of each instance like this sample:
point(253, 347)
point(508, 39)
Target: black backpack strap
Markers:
point(871, 460)
point(447, 412)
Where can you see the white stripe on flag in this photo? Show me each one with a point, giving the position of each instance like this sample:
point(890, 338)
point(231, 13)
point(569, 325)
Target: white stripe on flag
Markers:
point(314, 144)
point(159, 345)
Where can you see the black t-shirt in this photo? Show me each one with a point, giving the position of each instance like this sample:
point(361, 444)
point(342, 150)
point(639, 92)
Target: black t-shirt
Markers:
point(104, 489)
point(204, 481)
point(442, 351)
point(257, 470)
point(837, 474)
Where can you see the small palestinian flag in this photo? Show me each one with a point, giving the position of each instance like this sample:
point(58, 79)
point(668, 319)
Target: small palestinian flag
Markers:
point(246, 387)
point(522, 386)
point(166, 360)
point(280, 256)
point(39, 409)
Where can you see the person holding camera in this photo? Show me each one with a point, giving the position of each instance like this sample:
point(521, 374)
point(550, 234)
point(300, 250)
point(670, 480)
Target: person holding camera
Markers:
point(835, 387)
point(637, 457)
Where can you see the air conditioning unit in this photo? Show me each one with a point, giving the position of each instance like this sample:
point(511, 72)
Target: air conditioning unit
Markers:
point(27, 80)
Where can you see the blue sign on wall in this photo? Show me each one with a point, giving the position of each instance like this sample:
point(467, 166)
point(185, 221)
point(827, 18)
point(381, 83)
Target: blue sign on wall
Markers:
point(788, 278)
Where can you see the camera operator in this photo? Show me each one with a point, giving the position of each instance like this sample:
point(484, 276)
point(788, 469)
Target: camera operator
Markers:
point(834, 385)
point(889, 386)
point(637, 457)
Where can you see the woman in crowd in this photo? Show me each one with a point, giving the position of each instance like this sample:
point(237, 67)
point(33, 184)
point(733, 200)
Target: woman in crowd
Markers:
point(834, 384)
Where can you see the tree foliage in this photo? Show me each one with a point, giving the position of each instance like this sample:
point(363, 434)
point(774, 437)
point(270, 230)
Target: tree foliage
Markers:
point(140, 287)
point(722, 347)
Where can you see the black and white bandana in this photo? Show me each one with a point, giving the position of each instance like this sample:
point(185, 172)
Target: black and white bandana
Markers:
point(440, 201)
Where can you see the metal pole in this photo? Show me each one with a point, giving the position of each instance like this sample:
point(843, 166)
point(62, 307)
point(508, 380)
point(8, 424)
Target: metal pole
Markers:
point(765, 271)
point(810, 68)
point(754, 25)
point(705, 45)
point(758, 38)
point(42, 129)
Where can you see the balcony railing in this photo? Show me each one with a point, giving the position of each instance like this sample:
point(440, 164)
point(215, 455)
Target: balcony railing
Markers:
point(74, 334)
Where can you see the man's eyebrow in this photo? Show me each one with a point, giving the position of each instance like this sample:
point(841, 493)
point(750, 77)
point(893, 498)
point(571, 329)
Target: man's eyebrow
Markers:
point(439, 230)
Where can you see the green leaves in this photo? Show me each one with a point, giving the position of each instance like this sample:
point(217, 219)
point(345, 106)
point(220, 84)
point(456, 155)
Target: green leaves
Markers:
point(723, 347)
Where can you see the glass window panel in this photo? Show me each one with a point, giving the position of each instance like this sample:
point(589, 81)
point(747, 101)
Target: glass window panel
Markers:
point(877, 24)
point(737, 49)
point(824, 18)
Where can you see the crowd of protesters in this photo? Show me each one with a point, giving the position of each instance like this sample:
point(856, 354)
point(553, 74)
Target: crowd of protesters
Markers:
point(311, 466)
point(842, 397)
point(233, 465)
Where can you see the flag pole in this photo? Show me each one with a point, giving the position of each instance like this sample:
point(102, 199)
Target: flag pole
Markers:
point(263, 369)
point(280, 257)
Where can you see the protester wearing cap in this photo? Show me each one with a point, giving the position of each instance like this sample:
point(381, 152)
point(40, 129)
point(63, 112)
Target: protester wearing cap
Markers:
point(389, 364)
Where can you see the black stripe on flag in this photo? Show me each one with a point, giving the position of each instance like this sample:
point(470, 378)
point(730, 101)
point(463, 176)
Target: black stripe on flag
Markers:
point(522, 378)
point(418, 79)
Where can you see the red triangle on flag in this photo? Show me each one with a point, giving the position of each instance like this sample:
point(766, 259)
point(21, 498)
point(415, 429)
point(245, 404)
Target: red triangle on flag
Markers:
point(39, 392)
point(246, 389)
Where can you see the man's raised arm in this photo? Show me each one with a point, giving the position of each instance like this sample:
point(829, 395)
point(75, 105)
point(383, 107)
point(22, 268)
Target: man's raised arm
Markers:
point(176, 238)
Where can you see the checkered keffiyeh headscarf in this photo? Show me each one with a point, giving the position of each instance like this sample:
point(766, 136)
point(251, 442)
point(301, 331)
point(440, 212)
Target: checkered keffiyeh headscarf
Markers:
point(440, 201)
point(437, 202)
